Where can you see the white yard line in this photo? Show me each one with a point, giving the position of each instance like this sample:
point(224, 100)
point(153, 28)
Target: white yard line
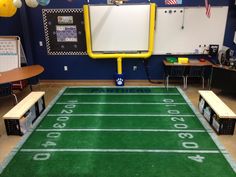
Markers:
point(126, 115)
point(122, 94)
point(117, 130)
point(125, 87)
point(125, 150)
point(139, 103)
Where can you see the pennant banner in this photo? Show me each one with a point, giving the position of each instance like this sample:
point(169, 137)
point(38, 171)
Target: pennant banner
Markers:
point(173, 2)
point(208, 8)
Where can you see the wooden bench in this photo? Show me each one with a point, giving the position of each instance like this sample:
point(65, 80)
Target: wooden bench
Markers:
point(22, 116)
point(217, 113)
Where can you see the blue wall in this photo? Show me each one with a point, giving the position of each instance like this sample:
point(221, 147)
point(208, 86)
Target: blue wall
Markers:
point(11, 26)
point(28, 24)
point(231, 27)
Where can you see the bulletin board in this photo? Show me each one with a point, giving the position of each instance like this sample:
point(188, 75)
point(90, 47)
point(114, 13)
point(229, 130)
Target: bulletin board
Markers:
point(187, 30)
point(9, 53)
point(64, 31)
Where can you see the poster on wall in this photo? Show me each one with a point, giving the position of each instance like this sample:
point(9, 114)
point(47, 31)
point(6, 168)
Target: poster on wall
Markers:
point(8, 47)
point(9, 53)
point(64, 31)
point(65, 19)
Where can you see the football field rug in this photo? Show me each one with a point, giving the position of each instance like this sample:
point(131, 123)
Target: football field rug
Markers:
point(119, 132)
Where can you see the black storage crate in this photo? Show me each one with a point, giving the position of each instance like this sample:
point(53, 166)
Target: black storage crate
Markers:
point(13, 127)
point(223, 126)
point(203, 108)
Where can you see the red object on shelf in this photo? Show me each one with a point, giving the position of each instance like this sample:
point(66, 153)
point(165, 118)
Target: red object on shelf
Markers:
point(202, 60)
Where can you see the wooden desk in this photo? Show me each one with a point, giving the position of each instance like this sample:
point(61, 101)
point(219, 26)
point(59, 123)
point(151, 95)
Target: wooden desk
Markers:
point(184, 70)
point(191, 63)
point(22, 73)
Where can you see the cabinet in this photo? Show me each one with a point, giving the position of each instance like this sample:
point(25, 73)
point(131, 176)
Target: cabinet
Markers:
point(224, 78)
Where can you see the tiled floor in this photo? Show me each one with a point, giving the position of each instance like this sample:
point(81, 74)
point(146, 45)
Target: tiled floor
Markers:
point(53, 87)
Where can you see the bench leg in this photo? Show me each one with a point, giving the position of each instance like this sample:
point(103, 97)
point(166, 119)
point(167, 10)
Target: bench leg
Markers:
point(203, 82)
point(167, 82)
point(185, 82)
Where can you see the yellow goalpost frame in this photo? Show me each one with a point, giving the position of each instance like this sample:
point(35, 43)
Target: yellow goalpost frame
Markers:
point(120, 56)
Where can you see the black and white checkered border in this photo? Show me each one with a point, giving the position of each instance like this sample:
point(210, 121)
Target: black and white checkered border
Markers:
point(66, 53)
point(74, 10)
point(45, 24)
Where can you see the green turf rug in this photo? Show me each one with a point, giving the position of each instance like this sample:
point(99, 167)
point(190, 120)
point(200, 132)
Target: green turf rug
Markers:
point(119, 132)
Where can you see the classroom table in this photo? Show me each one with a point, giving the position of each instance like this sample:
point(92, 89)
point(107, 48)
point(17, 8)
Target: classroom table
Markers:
point(194, 68)
point(19, 74)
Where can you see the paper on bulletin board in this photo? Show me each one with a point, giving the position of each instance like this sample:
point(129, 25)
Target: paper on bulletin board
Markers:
point(65, 19)
point(66, 33)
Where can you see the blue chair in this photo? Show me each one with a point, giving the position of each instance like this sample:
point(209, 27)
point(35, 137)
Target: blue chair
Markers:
point(6, 90)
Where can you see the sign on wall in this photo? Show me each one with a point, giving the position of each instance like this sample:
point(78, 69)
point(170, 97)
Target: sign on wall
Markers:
point(64, 31)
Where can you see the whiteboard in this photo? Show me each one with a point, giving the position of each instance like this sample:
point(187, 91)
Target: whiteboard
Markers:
point(9, 53)
point(198, 30)
point(119, 28)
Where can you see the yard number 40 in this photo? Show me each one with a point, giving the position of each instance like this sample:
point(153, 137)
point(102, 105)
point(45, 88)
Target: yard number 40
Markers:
point(197, 158)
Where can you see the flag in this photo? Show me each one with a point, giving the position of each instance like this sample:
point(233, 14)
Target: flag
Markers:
point(173, 2)
point(208, 8)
